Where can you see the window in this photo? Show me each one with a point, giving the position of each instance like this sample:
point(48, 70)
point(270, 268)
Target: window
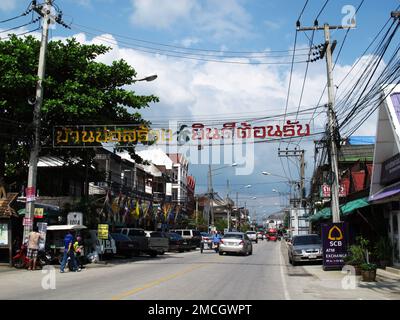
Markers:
point(233, 236)
point(306, 240)
point(186, 233)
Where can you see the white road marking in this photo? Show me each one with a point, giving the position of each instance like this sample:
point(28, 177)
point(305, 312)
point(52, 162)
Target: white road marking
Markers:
point(284, 284)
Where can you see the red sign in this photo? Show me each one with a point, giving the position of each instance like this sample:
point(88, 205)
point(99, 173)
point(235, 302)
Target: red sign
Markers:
point(326, 191)
point(30, 194)
point(27, 222)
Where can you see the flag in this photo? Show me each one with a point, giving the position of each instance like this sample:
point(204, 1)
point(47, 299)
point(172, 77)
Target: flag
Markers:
point(137, 211)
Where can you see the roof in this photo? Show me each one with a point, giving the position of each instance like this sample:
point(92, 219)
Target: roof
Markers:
point(178, 158)
point(66, 227)
point(157, 157)
point(345, 209)
point(5, 205)
point(361, 140)
point(354, 153)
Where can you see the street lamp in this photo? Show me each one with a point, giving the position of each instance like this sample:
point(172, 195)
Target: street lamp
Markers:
point(210, 188)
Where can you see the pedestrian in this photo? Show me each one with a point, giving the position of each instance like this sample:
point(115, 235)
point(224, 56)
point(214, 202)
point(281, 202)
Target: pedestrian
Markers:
point(69, 253)
point(33, 247)
point(79, 254)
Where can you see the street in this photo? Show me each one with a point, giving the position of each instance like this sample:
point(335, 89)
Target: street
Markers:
point(266, 275)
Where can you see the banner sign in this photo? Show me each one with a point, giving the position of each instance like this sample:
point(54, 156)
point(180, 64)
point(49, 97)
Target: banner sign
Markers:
point(102, 232)
point(95, 135)
point(75, 218)
point(30, 194)
point(326, 191)
point(42, 228)
point(27, 221)
point(334, 244)
point(39, 213)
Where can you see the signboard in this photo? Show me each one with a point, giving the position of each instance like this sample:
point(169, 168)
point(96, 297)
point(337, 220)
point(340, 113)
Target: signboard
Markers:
point(75, 218)
point(30, 194)
point(39, 212)
point(42, 228)
point(27, 222)
point(334, 244)
point(3, 234)
point(390, 170)
point(326, 191)
point(102, 231)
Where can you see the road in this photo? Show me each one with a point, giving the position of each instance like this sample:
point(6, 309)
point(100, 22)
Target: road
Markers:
point(190, 276)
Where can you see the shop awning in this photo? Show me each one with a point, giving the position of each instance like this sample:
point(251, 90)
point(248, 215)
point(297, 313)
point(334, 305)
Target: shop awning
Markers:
point(390, 191)
point(345, 209)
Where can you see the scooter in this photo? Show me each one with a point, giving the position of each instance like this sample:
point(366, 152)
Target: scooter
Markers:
point(21, 261)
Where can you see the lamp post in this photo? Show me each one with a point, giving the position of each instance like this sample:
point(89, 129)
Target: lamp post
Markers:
point(211, 191)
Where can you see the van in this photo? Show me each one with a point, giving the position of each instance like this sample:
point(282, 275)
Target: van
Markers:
point(192, 236)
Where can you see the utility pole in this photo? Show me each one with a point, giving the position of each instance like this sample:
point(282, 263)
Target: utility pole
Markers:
point(211, 194)
point(296, 153)
point(229, 207)
point(327, 50)
point(45, 12)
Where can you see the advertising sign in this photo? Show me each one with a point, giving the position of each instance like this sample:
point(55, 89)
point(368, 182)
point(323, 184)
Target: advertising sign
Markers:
point(102, 231)
point(39, 212)
point(30, 194)
point(326, 191)
point(75, 218)
point(3, 234)
point(334, 244)
point(42, 228)
point(27, 222)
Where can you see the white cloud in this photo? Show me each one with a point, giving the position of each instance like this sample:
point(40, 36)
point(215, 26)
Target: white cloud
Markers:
point(160, 14)
point(8, 5)
point(218, 18)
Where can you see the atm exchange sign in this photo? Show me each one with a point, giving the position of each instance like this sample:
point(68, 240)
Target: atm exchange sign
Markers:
point(334, 244)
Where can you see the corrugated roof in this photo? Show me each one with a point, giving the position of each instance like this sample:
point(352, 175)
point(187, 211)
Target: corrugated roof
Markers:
point(351, 153)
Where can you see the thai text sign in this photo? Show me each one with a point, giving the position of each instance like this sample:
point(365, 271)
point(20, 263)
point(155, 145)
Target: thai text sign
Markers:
point(95, 135)
point(30, 194)
point(75, 218)
point(390, 170)
point(326, 191)
point(102, 231)
point(334, 244)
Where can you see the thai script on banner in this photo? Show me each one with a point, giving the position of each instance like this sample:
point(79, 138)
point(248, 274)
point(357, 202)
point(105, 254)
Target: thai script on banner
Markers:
point(92, 135)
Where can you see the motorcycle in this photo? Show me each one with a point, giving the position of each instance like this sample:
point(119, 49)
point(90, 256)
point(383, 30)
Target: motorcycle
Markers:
point(21, 261)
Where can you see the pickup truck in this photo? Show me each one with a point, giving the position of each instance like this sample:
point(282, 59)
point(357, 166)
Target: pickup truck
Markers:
point(157, 241)
point(143, 243)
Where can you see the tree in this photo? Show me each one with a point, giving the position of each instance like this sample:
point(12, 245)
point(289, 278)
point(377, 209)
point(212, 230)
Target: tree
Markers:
point(221, 224)
point(77, 90)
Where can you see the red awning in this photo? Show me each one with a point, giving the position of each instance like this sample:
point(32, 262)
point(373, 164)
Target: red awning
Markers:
point(358, 180)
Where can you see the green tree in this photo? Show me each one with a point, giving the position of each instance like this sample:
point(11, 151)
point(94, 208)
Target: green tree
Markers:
point(221, 224)
point(77, 90)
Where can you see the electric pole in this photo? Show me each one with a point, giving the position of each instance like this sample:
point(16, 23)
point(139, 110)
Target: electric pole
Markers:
point(211, 194)
point(45, 11)
point(327, 50)
point(228, 205)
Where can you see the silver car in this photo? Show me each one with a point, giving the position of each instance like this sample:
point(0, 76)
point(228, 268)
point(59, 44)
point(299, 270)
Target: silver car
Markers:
point(252, 236)
point(236, 242)
point(305, 248)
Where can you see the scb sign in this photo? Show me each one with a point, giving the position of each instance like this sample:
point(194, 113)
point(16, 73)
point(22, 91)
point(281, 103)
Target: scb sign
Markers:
point(75, 218)
point(334, 245)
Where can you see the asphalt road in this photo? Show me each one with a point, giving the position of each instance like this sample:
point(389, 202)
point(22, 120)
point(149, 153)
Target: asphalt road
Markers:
point(191, 275)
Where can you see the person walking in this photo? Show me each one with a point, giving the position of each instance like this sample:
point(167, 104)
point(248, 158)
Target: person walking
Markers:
point(33, 247)
point(69, 253)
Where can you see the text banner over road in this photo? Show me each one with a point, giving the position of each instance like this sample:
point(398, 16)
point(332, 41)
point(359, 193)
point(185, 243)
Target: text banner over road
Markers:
point(334, 245)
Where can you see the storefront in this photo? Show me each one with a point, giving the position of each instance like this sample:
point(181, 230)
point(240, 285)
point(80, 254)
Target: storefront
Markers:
point(385, 184)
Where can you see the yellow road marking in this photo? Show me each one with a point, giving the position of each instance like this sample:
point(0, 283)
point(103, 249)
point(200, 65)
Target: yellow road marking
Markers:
point(156, 282)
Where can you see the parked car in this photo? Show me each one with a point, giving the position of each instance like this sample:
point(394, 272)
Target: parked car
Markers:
point(143, 244)
point(192, 236)
point(176, 242)
point(91, 242)
point(159, 241)
point(252, 236)
point(125, 245)
point(305, 248)
point(236, 242)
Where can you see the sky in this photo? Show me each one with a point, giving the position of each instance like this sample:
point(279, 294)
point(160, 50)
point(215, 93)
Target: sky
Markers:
point(198, 89)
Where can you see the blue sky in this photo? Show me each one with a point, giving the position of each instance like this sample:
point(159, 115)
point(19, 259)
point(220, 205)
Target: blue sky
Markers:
point(194, 88)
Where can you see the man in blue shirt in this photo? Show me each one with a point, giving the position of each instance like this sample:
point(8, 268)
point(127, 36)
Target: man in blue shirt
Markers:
point(69, 252)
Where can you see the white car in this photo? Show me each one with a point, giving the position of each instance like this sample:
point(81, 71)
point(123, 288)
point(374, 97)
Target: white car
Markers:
point(252, 236)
